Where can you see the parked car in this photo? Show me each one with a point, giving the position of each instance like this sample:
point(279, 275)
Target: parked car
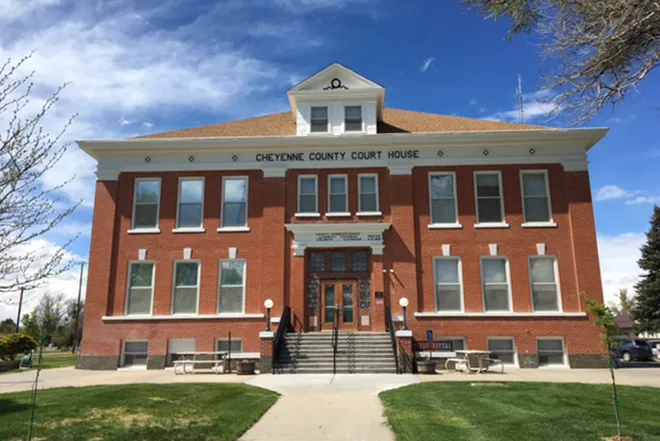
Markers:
point(632, 349)
point(655, 347)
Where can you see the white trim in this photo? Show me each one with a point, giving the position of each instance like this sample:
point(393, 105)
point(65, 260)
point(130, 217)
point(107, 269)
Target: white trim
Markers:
point(539, 225)
point(128, 284)
point(555, 269)
point(459, 267)
point(343, 212)
point(123, 353)
point(266, 334)
point(144, 231)
point(430, 194)
point(222, 201)
point(363, 125)
point(371, 235)
point(403, 333)
point(375, 212)
point(500, 189)
point(444, 226)
point(133, 229)
point(316, 196)
point(244, 284)
point(121, 318)
point(174, 286)
point(328, 126)
point(563, 347)
point(501, 314)
point(515, 349)
point(233, 229)
point(544, 172)
point(196, 229)
point(508, 281)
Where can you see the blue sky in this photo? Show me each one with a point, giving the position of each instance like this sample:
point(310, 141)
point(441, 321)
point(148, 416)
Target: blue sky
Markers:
point(137, 67)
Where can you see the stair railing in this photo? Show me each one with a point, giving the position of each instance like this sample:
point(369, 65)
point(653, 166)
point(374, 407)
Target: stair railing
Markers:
point(390, 328)
point(284, 326)
point(335, 339)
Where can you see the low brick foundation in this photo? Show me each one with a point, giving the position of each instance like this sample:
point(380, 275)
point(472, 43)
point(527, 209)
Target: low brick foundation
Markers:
point(265, 365)
point(156, 362)
point(587, 361)
point(98, 363)
point(528, 361)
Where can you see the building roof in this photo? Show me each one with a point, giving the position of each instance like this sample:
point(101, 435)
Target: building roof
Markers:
point(393, 121)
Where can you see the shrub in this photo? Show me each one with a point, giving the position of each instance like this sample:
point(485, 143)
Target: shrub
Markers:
point(15, 344)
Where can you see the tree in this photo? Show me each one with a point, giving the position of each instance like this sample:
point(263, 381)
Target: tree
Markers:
point(28, 209)
point(31, 326)
point(7, 326)
point(625, 304)
point(15, 344)
point(50, 313)
point(603, 48)
point(66, 335)
point(647, 304)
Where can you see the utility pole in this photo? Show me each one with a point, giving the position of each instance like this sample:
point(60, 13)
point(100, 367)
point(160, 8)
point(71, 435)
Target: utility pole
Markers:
point(77, 317)
point(20, 306)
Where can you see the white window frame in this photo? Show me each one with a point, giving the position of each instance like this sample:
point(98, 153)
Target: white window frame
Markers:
point(217, 340)
point(123, 353)
point(377, 212)
point(343, 120)
point(346, 211)
point(456, 223)
point(128, 286)
point(217, 306)
point(315, 213)
point(563, 347)
point(555, 267)
point(200, 228)
point(199, 278)
point(328, 122)
point(479, 224)
point(222, 204)
point(168, 359)
point(460, 283)
point(155, 229)
point(483, 283)
point(515, 348)
point(548, 223)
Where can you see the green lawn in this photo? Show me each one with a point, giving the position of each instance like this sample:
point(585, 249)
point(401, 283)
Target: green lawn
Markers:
point(210, 412)
point(519, 412)
point(57, 360)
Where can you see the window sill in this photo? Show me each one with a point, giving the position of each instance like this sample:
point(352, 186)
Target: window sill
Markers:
point(189, 230)
point(499, 314)
point(345, 214)
point(144, 231)
point(539, 225)
point(228, 315)
point(233, 229)
point(369, 213)
point(445, 226)
point(308, 215)
point(492, 225)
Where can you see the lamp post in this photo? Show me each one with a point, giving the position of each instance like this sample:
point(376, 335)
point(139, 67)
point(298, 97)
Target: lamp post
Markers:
point(404, 304)
point(269, 305)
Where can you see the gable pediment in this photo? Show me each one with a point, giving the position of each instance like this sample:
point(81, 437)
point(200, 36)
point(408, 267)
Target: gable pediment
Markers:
point(335, 78)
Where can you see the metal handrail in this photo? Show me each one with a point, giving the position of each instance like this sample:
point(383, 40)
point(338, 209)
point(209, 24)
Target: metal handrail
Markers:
point(390, 328)
point(335, 339)
point(285, 324)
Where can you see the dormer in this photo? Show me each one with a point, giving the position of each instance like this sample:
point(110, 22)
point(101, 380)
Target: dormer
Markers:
point(336, 101)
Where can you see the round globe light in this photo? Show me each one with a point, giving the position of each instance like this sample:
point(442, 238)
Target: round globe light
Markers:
point(403, 302)
point(268, 303)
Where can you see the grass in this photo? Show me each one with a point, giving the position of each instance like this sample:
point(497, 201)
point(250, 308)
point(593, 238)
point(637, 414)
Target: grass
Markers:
point(210, 412)
point(519, 412)
point(56, 360)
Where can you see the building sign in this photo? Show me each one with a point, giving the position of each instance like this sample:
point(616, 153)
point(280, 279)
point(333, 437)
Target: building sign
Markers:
point(346, 237)
point(359, 155)
point(353, 235)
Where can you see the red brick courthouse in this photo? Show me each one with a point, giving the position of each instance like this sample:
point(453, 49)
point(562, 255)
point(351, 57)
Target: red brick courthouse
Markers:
point(486, 228)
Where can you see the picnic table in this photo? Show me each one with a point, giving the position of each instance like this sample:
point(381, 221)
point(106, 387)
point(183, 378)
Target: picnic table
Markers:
point(192, 361)
point(474, 361)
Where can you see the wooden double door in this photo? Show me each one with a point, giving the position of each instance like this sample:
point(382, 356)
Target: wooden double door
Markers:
point(341, 296)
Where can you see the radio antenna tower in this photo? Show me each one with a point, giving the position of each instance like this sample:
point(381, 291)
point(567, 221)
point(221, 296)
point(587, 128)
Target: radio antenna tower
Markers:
point(520, 100)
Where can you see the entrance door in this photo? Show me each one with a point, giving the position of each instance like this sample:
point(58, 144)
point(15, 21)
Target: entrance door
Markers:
point(339, 294)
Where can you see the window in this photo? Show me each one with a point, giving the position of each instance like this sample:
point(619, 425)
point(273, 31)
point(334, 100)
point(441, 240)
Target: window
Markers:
point(317, 262)
point(536, 200)
point(503, 349)
point(234, 202)
point(176, 347)
point(368, 190)
point(448, 291)
point(353, 118)
point(495, 278)
point(490, 207)
point(319, 120)
point(191, 203)
point(360, 261)
point(543, 276)
point(338, 260)
point(457, 344)
point(147, 201)
point(140, 288)
point(232, 286)
point(338, 194)
point(443, 199)
point(223, 345)
point(186, 287)
point(307, 188)
point(550, 351)
point(135, 353)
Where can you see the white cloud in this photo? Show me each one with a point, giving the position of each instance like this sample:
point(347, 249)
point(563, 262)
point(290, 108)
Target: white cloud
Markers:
point(644, 200)
point(11, 10)
point(618, 262)
point(147, 124)
point(307, 5)
point(426, 64)
point(608, 192)
point(126, 122)
point(536, 106)
point(473, 102)
point(622, 120)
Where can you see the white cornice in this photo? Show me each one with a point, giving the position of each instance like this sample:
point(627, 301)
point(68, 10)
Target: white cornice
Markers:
point(357, 227)
point(500, 314)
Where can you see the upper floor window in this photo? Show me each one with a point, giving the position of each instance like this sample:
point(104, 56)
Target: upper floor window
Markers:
point(490, 207)
point(186, 287)
point(319, 119)
point(234, 201)
point(338, 194)
point(307, 192)
point(448, 284)
point(140, 288)
point(146, 204)
point(495, 279)
point(368, 197)
point(543, 276)
point(353, 118)
point(443, 198)
point(231, 296)
point(191, 203)
point(536, 196)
